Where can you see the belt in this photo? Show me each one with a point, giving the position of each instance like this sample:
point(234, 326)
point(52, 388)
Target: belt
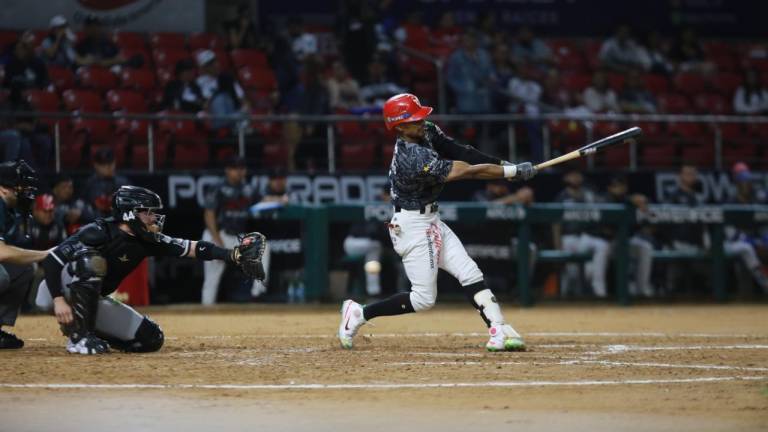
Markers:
point(431, 208)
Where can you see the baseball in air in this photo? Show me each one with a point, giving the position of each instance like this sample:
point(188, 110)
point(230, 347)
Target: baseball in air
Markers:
point(372, 267)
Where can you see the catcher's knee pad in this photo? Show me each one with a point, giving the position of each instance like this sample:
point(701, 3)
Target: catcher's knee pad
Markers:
point(148, 338)
point(422, 300)
point(88, 269)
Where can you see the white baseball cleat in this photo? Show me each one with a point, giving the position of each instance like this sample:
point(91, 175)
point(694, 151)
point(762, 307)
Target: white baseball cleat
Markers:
point(351, 320)
point(504, 338)
point(87, 345)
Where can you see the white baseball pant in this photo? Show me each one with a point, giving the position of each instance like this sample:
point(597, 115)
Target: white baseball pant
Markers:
point(426, 244)
point(597, 267)
point(214, 269)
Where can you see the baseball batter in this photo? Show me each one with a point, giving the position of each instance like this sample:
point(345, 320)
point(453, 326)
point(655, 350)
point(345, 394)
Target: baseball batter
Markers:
point(424, 160)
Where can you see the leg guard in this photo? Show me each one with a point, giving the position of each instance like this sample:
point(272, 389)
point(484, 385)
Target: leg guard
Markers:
point(149, 338)
point(470, 291)
point(88, 269)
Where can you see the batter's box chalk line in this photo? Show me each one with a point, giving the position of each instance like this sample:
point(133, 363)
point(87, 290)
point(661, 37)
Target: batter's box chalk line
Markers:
point(379, 386)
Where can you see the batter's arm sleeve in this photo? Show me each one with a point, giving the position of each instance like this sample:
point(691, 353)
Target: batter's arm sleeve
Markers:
point(449, 148)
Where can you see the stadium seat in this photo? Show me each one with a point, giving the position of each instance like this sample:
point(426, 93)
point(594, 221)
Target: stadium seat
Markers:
point(169, 57)
point(568, 57)
point(659, 153)
point(739, 151)
point(257, 78)
point(90, 135)
point(164, 75)
point(690, 83)
point(713, 48)
point(129, 40)
point(82, 100)
point(350, 129)
point(249, 57)
point(168, 40)
point(616, 81)
point(759, 130)
point(427, 91)
point(7, 38)
point(567, 134)
point(711, 103)
point(725, 62)
point(137, 79)
point(726, 83)
point(685, 129)
point(185, 140)
point(43, 101)
point(731, 131)
point(97, 78)
point(615, 157)
point(275, 153)
point(126, 100)
point(652, 129)
point(673, 103)
point(133, 136)
point(576, 82)
point(700, 152)
point(592, 52)
point(146, 56)
point(656, 83)
point(210, 41)
point(604, 129)
point(61, 77)
point(357, 156)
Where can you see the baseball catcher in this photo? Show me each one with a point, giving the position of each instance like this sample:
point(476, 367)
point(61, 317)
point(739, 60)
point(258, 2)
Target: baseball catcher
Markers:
point(424, 160)
point(83, 270)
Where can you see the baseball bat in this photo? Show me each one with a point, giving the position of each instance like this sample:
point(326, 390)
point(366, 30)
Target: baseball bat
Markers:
point(592, 147)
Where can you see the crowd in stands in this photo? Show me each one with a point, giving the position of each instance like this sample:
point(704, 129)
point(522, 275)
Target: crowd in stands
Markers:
point(240, 69)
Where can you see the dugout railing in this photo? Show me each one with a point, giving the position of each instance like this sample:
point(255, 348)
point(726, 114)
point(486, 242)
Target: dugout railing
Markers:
point(316, 219)
point(58, 122)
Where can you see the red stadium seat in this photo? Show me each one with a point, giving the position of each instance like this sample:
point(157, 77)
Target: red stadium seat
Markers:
point(604, 129)
point(690, 83)
point(164, 75)
point(739, 151)
point(126, 100)
point(97, 78)
point(61, 77)
point(673, 103)
point(210, 41)
point(658, 154)
point(43, 101)
point(82, 100)
point(568, 57)
point(249, 57)
point(137, 79)
point(350, 129)
point(90, 135)
point(357, 156)
point(731, 131)
point(700, 152)
point(726, 83)
point(656, 83)
point(759, 130)
point(725, 62)
point(567, 134)
point(185, 140)
point(146, 56)
point(713, 48)
point(615, 157)
point(711, 103)
point(169, 57)
point(616, 81)
point(133, 136)
point(592, 52)
point(7, 38)
point(129, 40)
point(576, 82)
point(652, 129)
point(685, 129)
point(257, 78)
point(275, 153)
point(167, 40)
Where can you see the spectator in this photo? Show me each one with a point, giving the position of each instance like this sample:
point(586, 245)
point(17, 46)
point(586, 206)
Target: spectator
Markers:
point(525, 94)
point(96, 48)
point(621, 53)
point(528, 49)
point(378, 86)
point(25, 139)
point(657, 55)
point(470, 77)
point(413, 33)
point(751, 97)
point(635, 98)
point(208, 80)
point(575, 237)
point(688, 54)
point(183, 93)
point(24, 69)
point(71, 212)
point(309, 97)
point(640, 240)
point(555, 97)
point(498, 192)
point(303, 44)
point(226, 215)
point(240, 30)
point(58, 47)
point(343, 90)
point(687, 237)
point(746, 240)
point(504, 71)
point(45, 231)
point(225, 102)
point(358, 36)
point(447, 34)
point(103, 183)
point(599, 98)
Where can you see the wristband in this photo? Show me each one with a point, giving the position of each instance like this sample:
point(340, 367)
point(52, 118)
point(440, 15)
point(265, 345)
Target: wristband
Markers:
point(208, 251)
point(509, 171)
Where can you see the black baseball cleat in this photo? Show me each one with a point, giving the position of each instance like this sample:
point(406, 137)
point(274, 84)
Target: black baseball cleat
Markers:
point(10, 341)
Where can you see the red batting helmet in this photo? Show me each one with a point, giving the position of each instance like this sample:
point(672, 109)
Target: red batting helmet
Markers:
point(404, 108)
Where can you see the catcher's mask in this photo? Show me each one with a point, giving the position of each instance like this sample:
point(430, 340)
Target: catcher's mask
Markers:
point(136, 207)
point(22, 179)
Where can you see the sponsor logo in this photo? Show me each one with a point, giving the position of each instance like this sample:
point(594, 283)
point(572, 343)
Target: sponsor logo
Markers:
point(582, 215)
point(379, 212)
point(123, 258)
point(669, 214)
point(503, 212)
point(402, 116)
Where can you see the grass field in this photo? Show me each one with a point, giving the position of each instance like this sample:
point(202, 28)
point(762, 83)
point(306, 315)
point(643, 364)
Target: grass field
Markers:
point(601, 368)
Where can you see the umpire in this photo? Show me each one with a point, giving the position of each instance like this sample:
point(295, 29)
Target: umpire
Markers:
point(17, 190)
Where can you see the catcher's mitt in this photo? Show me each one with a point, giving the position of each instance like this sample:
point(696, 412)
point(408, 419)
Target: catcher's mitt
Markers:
point(247, 255)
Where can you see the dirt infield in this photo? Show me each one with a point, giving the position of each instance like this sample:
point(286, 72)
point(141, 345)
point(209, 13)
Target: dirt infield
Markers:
point(696, 368)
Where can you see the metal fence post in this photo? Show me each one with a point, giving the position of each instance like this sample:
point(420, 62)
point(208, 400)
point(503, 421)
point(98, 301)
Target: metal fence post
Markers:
point(511, 142)
point(523, 263)
point(315, 245)
point(545, 141)
point(621, 255)
point(331, 147)
point(633, 155)
point(440, 87)
point(718, 147)
point(151, 147)
point(57, 145)
point(241, 139)
point(718, 262)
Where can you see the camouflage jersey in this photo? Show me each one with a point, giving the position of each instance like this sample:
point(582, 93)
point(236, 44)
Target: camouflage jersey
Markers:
point(418, 170)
